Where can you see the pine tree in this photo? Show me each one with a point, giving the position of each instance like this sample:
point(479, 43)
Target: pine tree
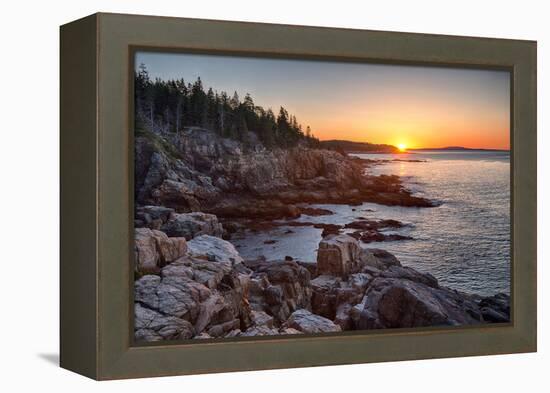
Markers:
point(172, 105)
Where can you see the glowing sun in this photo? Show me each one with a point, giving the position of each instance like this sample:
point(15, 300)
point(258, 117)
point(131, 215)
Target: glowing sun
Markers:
point(402, 147)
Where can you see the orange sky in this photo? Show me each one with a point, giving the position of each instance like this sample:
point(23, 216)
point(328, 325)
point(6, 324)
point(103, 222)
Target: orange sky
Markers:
point(416, 106)
point(418, 123)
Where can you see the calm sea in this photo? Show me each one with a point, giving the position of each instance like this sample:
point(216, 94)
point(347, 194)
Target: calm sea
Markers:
point(464, 242)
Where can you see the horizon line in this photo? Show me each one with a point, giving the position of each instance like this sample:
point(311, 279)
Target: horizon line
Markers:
point(419, 148)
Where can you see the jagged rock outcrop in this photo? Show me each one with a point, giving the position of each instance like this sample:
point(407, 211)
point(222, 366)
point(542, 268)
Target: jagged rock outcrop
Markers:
point(341, 255)
point(255, 331)
point(210, 292)
point(154, 249)
point(152, 216)
point(495, 308)
point(190, 225)
point(408, 273)
point(260, 318)
point(163, 177)
point(369, 289)
point(306, 322)
point(207, 295)
point(153, 326)
point(197, 170)
point(215, 249)
point(402, 303)
point(279, 288)
point(191, 283)
point(331, 294)
point(338, 255)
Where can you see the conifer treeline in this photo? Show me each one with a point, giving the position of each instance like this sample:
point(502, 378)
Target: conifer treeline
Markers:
point(169, 106)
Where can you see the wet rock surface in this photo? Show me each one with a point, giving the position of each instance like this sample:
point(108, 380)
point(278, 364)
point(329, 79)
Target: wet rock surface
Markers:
point(194, 189)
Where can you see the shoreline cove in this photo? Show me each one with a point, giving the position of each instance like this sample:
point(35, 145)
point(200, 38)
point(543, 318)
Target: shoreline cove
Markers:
point(413, 241)
point(200, 198)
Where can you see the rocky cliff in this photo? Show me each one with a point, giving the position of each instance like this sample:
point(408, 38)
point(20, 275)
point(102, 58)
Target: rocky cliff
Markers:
point(202, 288)
point(196, 170)
point(193, 284)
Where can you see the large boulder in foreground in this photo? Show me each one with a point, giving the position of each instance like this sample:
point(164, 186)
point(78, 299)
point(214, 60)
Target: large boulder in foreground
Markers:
point(332, 294)
point(214, 249)
point(204, 292)
point(379, 259)
point(279, 288)
point(306, 322)
point(324, 295)
point(495, 308)
point(153, 326)
point(402, 303)
point(341, 255)
point(206, 295)
point(154, 249)
point(408, 273)
point(190, 225)
point(172, 296)
point(338, 256)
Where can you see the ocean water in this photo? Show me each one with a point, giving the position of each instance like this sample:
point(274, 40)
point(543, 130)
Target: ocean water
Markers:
point(464, 242)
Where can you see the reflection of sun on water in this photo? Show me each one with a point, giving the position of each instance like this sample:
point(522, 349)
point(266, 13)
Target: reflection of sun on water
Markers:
point(401, 169)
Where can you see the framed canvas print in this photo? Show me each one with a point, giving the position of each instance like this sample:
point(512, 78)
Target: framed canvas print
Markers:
point(239, 196)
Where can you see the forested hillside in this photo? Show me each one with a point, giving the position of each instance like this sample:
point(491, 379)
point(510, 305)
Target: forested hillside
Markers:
point(171, 105)
point(349, 146)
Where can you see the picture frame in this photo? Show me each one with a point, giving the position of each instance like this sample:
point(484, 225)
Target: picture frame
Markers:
point(97, 212)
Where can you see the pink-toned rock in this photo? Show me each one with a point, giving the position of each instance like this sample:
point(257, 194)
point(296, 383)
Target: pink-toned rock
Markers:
point(154, 249)
point(339, 255)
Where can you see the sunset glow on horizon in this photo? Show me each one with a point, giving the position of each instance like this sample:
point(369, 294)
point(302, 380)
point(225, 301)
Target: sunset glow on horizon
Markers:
point(405, 106)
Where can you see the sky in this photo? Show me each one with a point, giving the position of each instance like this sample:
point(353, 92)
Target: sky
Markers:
point(412, 106)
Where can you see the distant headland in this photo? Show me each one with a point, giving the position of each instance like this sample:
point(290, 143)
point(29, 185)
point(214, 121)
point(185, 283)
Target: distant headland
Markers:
point(362, 147)
point(455, 148)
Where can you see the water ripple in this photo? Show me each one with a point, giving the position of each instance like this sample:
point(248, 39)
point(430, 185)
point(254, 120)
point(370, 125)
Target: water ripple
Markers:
point(465, 242)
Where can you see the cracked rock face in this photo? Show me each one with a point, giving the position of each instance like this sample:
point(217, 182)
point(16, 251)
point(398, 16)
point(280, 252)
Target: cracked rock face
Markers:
point(179, 300)
point(214, 249)
point(279, 288)
point(341, 255)
point(206, 172)
point(153, 326)
point(175, 296)
point(190, 283)
point(338, 256)
point(307, 322)
point(190, 225)
point(208, 295)
point(331, 294)
point(402, 303)
point(154, 249)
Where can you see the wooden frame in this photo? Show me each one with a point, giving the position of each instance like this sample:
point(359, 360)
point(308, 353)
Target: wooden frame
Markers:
point(96, 167)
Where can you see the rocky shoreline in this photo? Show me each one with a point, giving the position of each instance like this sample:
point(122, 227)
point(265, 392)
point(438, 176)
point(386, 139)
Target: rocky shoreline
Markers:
point(196, 170)
point(195, 189)
point(202, 289)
